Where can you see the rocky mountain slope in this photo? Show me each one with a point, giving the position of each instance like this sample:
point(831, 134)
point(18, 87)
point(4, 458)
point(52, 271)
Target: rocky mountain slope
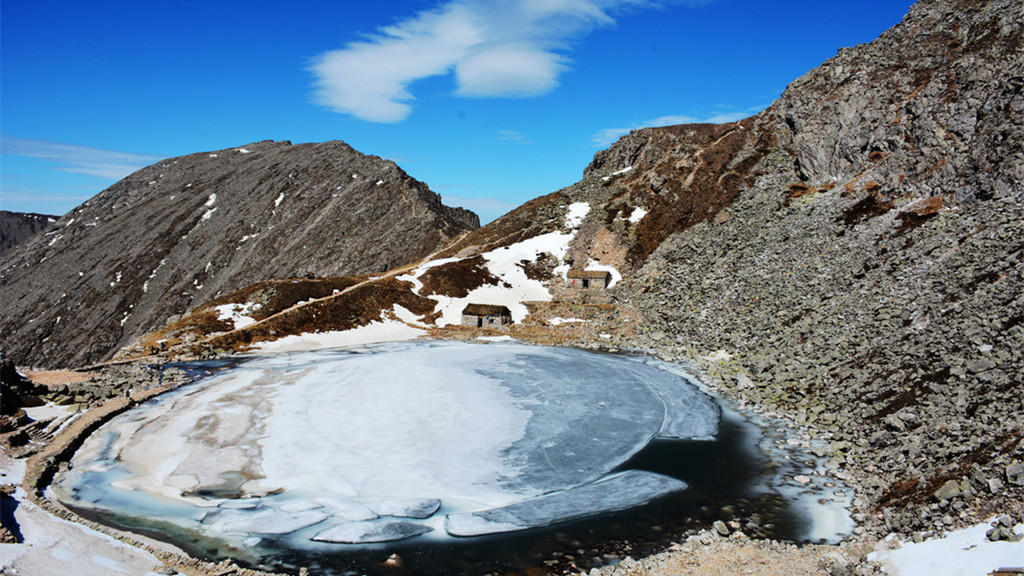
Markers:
point(185, 230)
point(16, 227)
point(865, 274)
point(851, 257)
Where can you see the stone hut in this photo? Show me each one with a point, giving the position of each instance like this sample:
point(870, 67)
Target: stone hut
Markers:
point(486, 316)
point(587, 279)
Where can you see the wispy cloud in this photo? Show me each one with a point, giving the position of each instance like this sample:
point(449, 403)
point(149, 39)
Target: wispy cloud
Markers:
point(496, 48)
point(512, 136)
point(106, 164)
point(608, 136)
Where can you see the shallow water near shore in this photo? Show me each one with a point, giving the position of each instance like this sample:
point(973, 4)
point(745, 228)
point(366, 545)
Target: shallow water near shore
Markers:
point(460, 458)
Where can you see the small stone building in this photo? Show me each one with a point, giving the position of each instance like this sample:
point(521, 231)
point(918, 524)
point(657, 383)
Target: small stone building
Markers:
point(486, 316)
point(587, 279)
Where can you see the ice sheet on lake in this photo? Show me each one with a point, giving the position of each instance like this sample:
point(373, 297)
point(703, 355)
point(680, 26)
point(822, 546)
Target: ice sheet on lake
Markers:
point(266, 521)
point(382, 530)
point(409, 508)
point(303, 444)
point(618, 492)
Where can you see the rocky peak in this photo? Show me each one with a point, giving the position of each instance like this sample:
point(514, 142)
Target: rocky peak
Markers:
point(184, 230)
point(936, 98)
point(16, 227)
point(934, 107)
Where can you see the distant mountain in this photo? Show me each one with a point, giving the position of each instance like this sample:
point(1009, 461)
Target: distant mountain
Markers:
point(16, 227)
point(185, 230)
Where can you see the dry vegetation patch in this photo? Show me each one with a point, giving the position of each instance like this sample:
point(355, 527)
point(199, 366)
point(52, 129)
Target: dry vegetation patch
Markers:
point(350, 309)
point(457, 279)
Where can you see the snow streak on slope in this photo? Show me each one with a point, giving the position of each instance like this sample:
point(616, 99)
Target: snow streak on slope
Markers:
point(506, 264)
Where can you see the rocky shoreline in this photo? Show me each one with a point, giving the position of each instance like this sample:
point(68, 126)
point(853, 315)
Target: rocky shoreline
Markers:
point(725, 539)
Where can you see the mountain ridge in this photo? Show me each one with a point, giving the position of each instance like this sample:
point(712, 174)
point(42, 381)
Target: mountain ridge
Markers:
point(179, 232)
point(16, 227)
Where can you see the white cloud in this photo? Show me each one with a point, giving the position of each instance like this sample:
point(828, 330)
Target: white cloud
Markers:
point(512, 70)
point(369, 79)
point(496, 48)
point(106, 164)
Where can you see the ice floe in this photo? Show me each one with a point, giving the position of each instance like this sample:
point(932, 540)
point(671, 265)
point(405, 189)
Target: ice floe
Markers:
point(617, 492)
point(385, 442)
point(370, 531)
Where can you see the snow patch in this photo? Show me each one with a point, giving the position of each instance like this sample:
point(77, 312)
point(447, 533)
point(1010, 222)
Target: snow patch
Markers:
point(407, 316)
point(243, 151)
point(577, 212)
point(210, 200)
point(966, 552)
point(617, 172)
point(560, 321)
point(637, 214)
point(279, 199)
point(595, 265)
point(372, 333)
point(514, 286)
point(238, 315)
point(717, 356)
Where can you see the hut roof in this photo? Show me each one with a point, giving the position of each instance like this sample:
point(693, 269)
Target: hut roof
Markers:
point(486, 310)
point(588, 273)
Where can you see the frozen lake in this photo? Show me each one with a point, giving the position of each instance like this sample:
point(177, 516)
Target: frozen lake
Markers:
point(285, 458)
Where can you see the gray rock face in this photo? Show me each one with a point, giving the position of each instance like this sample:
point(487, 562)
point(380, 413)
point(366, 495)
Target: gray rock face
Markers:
point(16, 227)
point(180, 232)
point(856, 248)
point(934, 106)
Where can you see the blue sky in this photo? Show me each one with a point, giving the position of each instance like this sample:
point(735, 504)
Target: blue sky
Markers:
point(489, 102)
